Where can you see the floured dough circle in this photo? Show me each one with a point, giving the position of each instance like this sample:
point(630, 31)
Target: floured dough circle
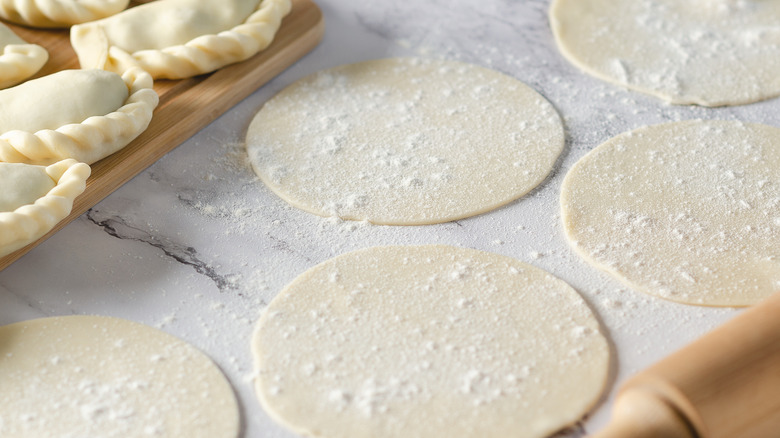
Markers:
point(704, 52)
point(404, 141)
point(688, 211)
point(108, 377)
point(424, 341)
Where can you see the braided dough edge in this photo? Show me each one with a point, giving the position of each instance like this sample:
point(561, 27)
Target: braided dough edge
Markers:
point(30, 222)
point(20, 61)
point(200, 55)
point(91, 140)
point(58, 13)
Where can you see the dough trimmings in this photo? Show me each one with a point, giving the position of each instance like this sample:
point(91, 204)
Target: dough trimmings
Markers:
point(58, 13)
point(30, 222)
point(97, 376)
point(703, 52)
point(404, 141)
point(129, 38)
point(18, 59)
point(92, 139)
point(428, 341)
point(687, 211)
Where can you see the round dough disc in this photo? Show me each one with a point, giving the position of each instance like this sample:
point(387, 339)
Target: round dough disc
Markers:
point(108, 377)
point(688, 211)
point(422, 341)
point(704, 52)
point(404, 141)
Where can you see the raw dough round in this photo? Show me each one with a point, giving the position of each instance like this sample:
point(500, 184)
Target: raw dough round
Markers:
point(80, 376)
point(404, 141)
point(423, 341)
point(688, 211)
point(704, 52)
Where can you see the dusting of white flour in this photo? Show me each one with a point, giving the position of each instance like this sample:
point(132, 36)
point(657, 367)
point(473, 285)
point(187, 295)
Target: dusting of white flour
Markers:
point(428, 340)
point(706, 52)
point(687, 211)
point(404, 141)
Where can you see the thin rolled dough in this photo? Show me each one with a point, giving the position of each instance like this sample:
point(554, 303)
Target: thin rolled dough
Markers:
point(404, 141)
point(91, 376)
point(704, 52)
point(688, 211)
point(424, 341)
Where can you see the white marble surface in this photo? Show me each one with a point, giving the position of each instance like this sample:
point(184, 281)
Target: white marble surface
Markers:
point(196, 246)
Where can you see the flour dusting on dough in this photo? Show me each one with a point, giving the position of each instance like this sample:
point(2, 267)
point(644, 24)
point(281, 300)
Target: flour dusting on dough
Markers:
point(686, 211)
point(425, 341)
point(81, 376)
point(705, 52)
point(404, 141)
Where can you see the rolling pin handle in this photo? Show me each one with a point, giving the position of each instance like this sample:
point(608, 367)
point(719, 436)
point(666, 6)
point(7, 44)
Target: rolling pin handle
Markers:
point(726, 384)
point(642, 413)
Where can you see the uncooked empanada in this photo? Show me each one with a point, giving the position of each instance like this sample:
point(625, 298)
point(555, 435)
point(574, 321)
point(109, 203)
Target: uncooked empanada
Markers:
point(175, 39)
point(35, 198)
point(22, 184)
point(18, 59)
point(58, 13)
point(81, 114)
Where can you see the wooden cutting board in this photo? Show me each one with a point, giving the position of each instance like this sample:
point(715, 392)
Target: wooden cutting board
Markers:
point(186, 105)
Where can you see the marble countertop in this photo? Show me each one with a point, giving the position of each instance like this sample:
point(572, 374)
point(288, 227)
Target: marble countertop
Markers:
point(197, 246)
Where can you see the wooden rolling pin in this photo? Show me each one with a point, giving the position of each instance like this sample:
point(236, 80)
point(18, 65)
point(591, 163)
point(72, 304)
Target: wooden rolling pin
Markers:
point(724, 385)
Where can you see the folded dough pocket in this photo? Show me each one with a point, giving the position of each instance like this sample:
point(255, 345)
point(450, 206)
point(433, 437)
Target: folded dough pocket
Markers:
point(23, 184)
point(18, 59)
point(58, 13)
point(35, 198)
point(81, 114)
point(175, 39)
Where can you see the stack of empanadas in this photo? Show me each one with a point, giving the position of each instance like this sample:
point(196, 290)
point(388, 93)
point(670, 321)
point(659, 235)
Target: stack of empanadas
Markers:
point(53, 127)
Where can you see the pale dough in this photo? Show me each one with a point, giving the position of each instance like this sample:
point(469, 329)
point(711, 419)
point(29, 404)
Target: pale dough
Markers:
point(81, 114)
point(22, 184)
point(18, 59)
point(58, 13)
point(68, 96)
point(688, 211)
point(428, 341)
point(92, 376)
point(404, 141)
point(179, 38)
point(35, 198)
point(704, 52)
